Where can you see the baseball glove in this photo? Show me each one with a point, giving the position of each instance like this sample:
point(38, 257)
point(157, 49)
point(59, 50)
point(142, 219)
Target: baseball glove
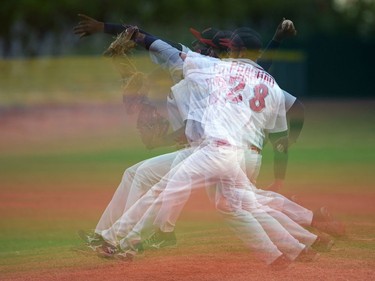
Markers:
point(123, 44)
point(119, 50)
point(152, 126)
point(135, 84)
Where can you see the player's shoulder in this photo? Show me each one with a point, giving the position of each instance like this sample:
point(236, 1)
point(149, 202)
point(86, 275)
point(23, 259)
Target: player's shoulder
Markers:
point(184, 48)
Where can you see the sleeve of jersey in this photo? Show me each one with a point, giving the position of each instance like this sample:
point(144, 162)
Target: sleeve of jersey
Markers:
point(280, 124)
point(167, 57)
point(174, 116)
point(289, 100)
point(181, 98)
point(195, 63)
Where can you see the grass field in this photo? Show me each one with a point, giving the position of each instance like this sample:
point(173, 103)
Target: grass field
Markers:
point(65, 142)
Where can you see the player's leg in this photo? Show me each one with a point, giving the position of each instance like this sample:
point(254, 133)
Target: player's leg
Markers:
point(204, 167)
point(296, 212)
point(252, 163)
point(146, 222)
point(133, 215)
point(148, 174)
point(208, 166)
point(244, 224)
point(135, 182)
point(116, 206)
point(297, 231)
point(279, 227)
point(192, 172)
point(320, 219)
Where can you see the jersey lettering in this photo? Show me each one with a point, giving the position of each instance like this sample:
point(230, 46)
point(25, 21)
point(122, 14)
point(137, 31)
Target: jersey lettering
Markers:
point(234, 94)
point(257, 103)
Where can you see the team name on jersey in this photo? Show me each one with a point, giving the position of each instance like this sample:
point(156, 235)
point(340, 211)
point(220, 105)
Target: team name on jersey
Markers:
point(245, 72)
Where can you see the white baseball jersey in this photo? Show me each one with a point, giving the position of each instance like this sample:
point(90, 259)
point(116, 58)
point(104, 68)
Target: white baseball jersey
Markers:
point(168, 57)
point(178, 102)
point(242, 100)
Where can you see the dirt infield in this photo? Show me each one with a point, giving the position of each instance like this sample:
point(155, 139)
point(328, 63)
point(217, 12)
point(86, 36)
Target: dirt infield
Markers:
point(206, 249)
point(195, 258)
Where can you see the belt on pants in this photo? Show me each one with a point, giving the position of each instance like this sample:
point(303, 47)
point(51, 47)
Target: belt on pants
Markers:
point(254, 148)
point(219, 142)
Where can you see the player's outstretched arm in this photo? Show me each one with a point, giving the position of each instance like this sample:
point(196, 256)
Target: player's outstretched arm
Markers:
point(284, 30)
point(87, 26)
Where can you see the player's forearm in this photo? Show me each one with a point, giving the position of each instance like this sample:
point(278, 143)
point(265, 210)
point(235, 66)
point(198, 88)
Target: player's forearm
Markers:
point(145, 40)
point(280, 164)
point(280, 148)
point(296, 119)
point(112, 28)
point(115, 28)
point(265, 60)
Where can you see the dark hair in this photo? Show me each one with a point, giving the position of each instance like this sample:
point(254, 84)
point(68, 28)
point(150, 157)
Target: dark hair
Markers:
point(246, 37)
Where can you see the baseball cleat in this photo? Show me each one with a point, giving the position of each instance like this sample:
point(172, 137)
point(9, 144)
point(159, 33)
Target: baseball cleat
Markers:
point(126, 255)
point(84, 249)
point(323, 221)
point(160, 240)
point(307, 255)
point(281, 263)
point(91, 239)
point(323, 243)
point(107, 251)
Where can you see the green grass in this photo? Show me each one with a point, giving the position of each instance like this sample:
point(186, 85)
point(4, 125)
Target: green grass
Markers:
point(63, 80)
point(91, 168)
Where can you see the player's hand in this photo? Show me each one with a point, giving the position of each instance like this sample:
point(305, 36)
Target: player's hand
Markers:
point(276, 185)
point(88, 26)
point(284, 30)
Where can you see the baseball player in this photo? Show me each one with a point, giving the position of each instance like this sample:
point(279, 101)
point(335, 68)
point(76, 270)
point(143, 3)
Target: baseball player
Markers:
point(219, 156)
point(158, 166)
point(295, 110)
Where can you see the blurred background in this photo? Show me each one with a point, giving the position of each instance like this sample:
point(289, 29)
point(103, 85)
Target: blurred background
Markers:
point(332, 56)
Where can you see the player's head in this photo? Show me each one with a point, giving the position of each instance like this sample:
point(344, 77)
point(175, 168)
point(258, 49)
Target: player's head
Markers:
point(208, 41)
point(244, 42)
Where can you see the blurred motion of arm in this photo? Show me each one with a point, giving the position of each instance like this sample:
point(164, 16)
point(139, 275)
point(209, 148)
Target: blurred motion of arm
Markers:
point(281, 33)
point(296, 118)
